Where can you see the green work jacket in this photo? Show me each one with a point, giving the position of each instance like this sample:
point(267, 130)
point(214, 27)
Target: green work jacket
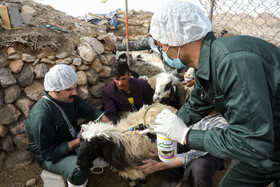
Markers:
point(47, 130)
point(240, 77)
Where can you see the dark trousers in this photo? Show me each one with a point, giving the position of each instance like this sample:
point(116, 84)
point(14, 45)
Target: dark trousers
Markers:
point(199, 173)
point(242, 174)
point(67, 168)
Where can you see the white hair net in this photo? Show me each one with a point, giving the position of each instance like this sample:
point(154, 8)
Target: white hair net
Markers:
point(60, 77)
point(179, 22)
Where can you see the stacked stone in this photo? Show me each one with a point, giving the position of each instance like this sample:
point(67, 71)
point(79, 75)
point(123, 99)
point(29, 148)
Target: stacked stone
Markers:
point(21, 85)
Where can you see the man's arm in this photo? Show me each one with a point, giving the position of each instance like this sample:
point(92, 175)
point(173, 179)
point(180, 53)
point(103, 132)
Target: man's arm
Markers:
point(150, 166)
point(73, 144)
point(110, 108)
point(105, 119)
point(246, 95)
point(136, 45)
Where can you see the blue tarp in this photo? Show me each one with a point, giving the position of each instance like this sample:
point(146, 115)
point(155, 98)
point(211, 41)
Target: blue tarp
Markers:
point(95, 20)
point(112, 21)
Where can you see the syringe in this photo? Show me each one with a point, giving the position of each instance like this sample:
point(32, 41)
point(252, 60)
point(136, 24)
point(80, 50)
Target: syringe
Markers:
point(140, 127)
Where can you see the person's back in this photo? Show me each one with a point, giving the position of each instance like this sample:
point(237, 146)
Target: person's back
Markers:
point(262, 67)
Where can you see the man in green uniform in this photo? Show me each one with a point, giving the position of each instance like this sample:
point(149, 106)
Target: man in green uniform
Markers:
point(240, 77)
point(51, 125)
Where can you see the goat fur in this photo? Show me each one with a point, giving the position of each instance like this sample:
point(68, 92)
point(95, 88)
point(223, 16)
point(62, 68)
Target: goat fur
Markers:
point(124, 151)
point(168, 90)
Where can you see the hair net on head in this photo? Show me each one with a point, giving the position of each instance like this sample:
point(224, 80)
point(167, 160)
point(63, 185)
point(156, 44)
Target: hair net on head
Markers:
point(179, 22)
point(60, 77)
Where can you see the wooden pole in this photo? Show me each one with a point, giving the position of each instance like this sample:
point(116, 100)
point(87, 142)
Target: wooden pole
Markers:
point(127, 34)
point(211, 10)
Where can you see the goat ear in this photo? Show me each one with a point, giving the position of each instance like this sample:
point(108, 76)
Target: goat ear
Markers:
point(107, 149)
point(84, 157)
point(173, 93)
point(119, 158)
point(114, 155)
point(173, 89)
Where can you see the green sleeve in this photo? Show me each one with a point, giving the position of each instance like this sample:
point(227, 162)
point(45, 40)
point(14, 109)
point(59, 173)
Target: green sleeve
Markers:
point(43, 131)
point(242, 77)
point(196, 108)
point(86, 111)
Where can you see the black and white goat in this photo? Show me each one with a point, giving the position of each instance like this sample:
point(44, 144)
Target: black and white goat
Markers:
point(124, 151)
point(138, 66)
point(168, 90)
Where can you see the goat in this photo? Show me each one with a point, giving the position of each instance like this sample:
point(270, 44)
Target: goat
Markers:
point(139, 66)
point(168, 90)
point(124, 151)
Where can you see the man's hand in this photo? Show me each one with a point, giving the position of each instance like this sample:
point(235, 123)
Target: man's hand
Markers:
point(189, 83)
point(105, 119)
point(150, 166)
point(172, 126)
point(111, 45)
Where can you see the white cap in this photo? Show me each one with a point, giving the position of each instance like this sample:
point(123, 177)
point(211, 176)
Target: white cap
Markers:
point(60, 77)
point(179, 22)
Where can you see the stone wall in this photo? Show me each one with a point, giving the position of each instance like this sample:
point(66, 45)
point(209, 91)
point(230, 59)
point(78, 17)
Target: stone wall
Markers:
point(22, 71)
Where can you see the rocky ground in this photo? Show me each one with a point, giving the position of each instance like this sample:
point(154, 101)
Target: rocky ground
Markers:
point(18, 177)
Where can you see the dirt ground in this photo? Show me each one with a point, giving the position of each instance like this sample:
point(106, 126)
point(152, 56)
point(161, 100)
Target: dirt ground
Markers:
point(17, 177)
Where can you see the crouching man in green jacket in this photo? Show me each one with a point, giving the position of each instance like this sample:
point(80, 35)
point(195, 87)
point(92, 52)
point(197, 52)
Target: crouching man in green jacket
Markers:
point(240, 77)
point(51, 125)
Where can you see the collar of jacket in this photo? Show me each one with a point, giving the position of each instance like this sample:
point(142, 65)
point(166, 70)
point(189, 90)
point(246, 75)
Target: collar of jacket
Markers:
point(203, 68)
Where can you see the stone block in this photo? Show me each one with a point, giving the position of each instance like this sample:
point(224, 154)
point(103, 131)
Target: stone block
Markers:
point(5, 16)
point(51, 179)
point(14, 15)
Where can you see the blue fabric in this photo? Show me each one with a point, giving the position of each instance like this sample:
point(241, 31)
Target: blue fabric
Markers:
point(114, 22)
point(177, 64)
point(95, 20)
